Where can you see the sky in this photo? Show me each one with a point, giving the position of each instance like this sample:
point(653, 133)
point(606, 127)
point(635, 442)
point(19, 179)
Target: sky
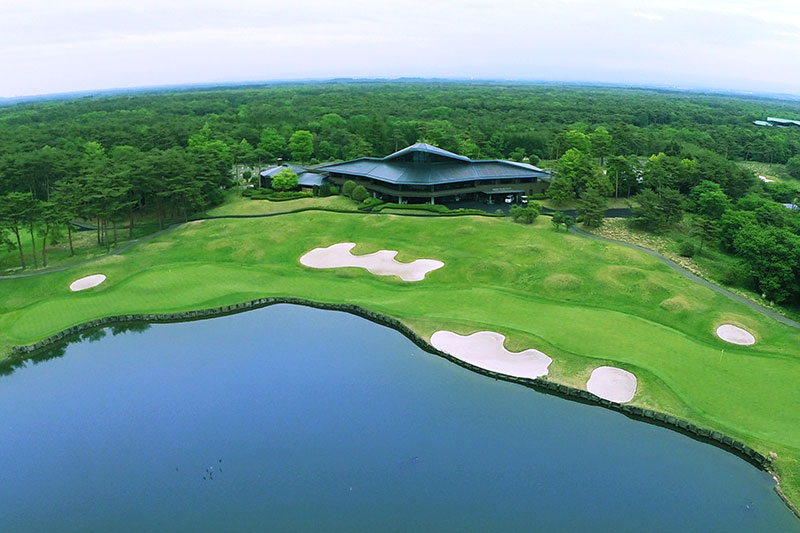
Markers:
point(54, 46)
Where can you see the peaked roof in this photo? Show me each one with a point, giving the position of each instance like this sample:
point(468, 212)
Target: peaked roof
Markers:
point(423, 164)
point(304, 177)
point(425, 148)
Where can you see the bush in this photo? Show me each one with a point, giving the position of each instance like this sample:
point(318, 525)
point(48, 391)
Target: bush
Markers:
point(372, 202)
point(359, 194)
point(525, 215)
point(347, 188)
point(686, 249)
point(434, 208)
point(284, 180)
point(731, 276)
point(326, 189)
point(269, 194)
point(248, 192)
point(215, 197)
point(560, 219)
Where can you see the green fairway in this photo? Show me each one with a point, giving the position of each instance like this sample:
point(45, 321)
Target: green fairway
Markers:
point(584, 303)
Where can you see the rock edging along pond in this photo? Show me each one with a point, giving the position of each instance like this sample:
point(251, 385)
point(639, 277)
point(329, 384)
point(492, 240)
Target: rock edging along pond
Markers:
point(654, 417)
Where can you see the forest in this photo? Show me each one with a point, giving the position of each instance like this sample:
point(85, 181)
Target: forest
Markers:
point(163, 156)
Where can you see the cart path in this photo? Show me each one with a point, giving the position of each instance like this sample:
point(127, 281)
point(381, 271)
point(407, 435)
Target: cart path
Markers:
point(677, 268)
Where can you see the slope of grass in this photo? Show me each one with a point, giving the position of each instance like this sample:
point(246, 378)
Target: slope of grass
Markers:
point(585, 303)
point(236, 204)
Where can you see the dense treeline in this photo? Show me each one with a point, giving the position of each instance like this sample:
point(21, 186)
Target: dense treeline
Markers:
point(170, 154)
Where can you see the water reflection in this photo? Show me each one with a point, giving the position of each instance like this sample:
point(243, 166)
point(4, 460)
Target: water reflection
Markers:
point(53, 351)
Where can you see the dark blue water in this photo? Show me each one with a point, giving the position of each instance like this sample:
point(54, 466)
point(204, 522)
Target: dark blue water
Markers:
point(295, 419)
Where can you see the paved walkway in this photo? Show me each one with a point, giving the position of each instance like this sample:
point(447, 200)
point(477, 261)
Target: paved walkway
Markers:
point(676, 267)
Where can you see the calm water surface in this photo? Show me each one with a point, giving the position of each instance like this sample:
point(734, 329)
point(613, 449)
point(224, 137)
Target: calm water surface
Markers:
point(295, 419)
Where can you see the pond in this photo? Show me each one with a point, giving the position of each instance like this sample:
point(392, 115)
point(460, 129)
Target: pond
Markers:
point(291, 418)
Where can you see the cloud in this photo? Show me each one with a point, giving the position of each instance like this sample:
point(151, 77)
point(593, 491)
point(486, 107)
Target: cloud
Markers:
point(52, 46)
point(648, 16)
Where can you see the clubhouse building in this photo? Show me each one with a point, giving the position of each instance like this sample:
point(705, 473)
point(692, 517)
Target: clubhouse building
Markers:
point(426, 174)
point(305, 178)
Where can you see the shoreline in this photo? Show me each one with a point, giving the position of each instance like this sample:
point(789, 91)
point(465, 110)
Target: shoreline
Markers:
point(543, 385)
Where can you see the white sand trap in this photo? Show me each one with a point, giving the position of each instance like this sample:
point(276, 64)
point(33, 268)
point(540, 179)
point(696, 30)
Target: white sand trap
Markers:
point(735, 335)
point(382, 263)
point(612, 383)
point(485, 350)
point(766, 179)
point(87, 283)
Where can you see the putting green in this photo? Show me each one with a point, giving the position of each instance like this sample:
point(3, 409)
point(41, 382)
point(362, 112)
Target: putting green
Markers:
point(584, 303)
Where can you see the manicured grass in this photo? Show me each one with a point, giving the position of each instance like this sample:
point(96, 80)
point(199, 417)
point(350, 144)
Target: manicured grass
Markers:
point(712, 264)
point(85, 242)
point(236, 204)
point(584, 303)
point(58, 253)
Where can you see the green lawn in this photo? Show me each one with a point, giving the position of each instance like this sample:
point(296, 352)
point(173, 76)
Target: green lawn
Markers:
point(85, 242)
point(236, 204)
point(584, 303)
point(58, 253)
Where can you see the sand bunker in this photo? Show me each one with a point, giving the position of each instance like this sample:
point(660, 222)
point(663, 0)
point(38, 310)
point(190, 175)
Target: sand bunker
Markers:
point(382, 263)
point(87, 283)
point(485, 350)
point(612, 384)
point(735, 335)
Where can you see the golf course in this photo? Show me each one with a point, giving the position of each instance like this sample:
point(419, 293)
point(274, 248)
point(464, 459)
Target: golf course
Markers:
point(584, 303)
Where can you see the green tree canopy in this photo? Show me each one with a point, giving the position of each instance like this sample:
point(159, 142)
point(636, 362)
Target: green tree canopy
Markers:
point(301, 144)
point(592, 208)
point(709, 200)
point(271, 145)
point(601, 141)
point(284, 180)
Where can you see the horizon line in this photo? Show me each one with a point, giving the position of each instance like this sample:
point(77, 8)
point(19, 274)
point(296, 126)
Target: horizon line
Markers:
point(112, 91)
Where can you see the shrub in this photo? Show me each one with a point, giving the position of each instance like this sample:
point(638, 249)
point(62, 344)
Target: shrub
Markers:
point(326, 189)
point(434, 208)
point(372, 202)
point(359, 194)
point(284, 180)
point(347, 188)
point(525, 215)
point(734, 274)
point(215, 197)
point(248, 192)
point(269, 194)
point(560, 219)
point(686, 249)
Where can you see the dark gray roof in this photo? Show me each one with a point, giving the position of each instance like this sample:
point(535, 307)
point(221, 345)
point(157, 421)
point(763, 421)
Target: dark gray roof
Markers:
point(405, 167)
point(426, 149)
point(304, 177)
point(784, 121)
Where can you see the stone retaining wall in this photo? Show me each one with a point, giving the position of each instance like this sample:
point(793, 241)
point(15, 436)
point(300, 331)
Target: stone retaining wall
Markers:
point(543, 385)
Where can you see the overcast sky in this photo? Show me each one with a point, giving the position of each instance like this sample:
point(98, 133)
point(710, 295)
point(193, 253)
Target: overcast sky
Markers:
point(49, 46)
